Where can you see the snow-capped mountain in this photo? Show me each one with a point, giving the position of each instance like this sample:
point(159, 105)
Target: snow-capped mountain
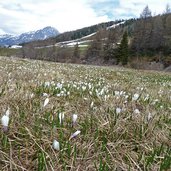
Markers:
point(9, 40)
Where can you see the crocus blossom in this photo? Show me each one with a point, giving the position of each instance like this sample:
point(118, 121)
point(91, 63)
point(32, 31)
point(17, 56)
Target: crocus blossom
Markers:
point(5, 122)
point(7, 113)
point(56, 145)
point(75, 134)
point(61, 117)
point(74, 118)
point(46, 102)
point(118, 110)
point(135, 97)
point(136, 111)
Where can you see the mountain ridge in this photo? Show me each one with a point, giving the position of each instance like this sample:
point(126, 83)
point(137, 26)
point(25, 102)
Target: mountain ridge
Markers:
point(41, 34)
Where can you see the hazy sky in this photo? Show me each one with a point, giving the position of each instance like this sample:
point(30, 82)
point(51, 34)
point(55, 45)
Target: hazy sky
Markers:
point(18, 16)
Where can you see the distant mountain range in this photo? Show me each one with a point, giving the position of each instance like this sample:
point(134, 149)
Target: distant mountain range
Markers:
point(42, 34)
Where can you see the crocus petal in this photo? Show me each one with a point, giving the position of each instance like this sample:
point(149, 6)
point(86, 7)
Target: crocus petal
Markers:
point(135, 97)
point(7, 112)
point(118, 110)
point(74, 118)
point(137, 111)
point(46, 102)
point(61, 117)
point(75, 134)
point(56, 145)
point(5, 120)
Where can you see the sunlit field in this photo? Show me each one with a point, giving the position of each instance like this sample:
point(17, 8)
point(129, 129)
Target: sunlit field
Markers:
point(74, 117)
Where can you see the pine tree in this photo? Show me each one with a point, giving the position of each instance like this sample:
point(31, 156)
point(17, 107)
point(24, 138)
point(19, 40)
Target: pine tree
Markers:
point(123, 51)
point(168, 9)
point(146, 13)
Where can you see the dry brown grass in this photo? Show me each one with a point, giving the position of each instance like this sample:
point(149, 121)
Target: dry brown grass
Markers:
point(108, 140)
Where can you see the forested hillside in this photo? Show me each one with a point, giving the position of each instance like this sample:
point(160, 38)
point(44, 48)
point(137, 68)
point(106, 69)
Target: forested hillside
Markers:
point(76, 34)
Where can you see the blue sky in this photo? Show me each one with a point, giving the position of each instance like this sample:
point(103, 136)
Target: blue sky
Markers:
point(19, 16)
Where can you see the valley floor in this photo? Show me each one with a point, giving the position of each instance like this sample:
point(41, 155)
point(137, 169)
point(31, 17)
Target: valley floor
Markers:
point(123, 117)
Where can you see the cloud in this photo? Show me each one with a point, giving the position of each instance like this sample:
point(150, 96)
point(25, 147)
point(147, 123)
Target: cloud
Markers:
point(133, 8)
point(20, 16)
point(2, 32)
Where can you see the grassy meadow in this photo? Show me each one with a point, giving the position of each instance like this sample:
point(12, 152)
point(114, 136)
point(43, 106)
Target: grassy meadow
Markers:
point(123, 117)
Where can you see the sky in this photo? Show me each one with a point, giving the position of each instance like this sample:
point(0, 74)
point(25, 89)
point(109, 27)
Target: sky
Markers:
point(19, 16)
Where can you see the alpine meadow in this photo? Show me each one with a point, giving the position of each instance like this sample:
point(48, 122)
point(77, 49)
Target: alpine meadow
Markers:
point(85, 85)
point(76, 117)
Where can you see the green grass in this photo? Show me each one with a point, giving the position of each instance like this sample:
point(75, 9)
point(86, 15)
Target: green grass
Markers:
point(9, 52)
point(108, 140)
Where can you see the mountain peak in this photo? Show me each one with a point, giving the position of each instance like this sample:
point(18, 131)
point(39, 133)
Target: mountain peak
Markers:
point(49, 27)
point(41, 34)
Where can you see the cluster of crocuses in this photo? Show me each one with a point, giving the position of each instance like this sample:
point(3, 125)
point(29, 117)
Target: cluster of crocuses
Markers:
point(56, 144)
point(59, 86)
point(93, 87)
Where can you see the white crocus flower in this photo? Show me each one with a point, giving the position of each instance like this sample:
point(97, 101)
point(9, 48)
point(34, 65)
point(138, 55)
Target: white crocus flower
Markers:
point(146, 98)
point(155, 101)
point(74, 118)
point(83, 88)
point(45, 94)
point(7, 113)
point(136, 111)
point(117, 93)
point(149, 117)
point(32, 95)
point(56, 145)
point(5, 122)
point(92, 104)
point(126, 96)
point(105, 97)
point(75, 134)
point(46, 102)
point(121, 93)
point(135, 97)
point(118, 110)
point(47, 84)
point(61, 117)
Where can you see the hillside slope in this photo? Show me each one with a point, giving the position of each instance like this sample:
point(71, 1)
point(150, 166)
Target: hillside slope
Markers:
point(123, 117)
point(75, 34)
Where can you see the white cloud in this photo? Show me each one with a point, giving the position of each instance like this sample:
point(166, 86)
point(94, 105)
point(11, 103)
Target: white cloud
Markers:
point(20, 16)
point(65, 15)
point(129, 8)
point(2, 31)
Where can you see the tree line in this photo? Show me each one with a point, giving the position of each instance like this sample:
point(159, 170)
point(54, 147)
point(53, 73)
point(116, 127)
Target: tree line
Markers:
point(145, 36)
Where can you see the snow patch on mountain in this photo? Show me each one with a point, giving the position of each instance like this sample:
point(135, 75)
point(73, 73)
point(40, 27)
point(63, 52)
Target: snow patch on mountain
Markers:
point(41, 34)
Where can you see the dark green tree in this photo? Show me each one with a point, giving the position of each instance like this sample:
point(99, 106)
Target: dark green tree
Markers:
point(123, 52)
